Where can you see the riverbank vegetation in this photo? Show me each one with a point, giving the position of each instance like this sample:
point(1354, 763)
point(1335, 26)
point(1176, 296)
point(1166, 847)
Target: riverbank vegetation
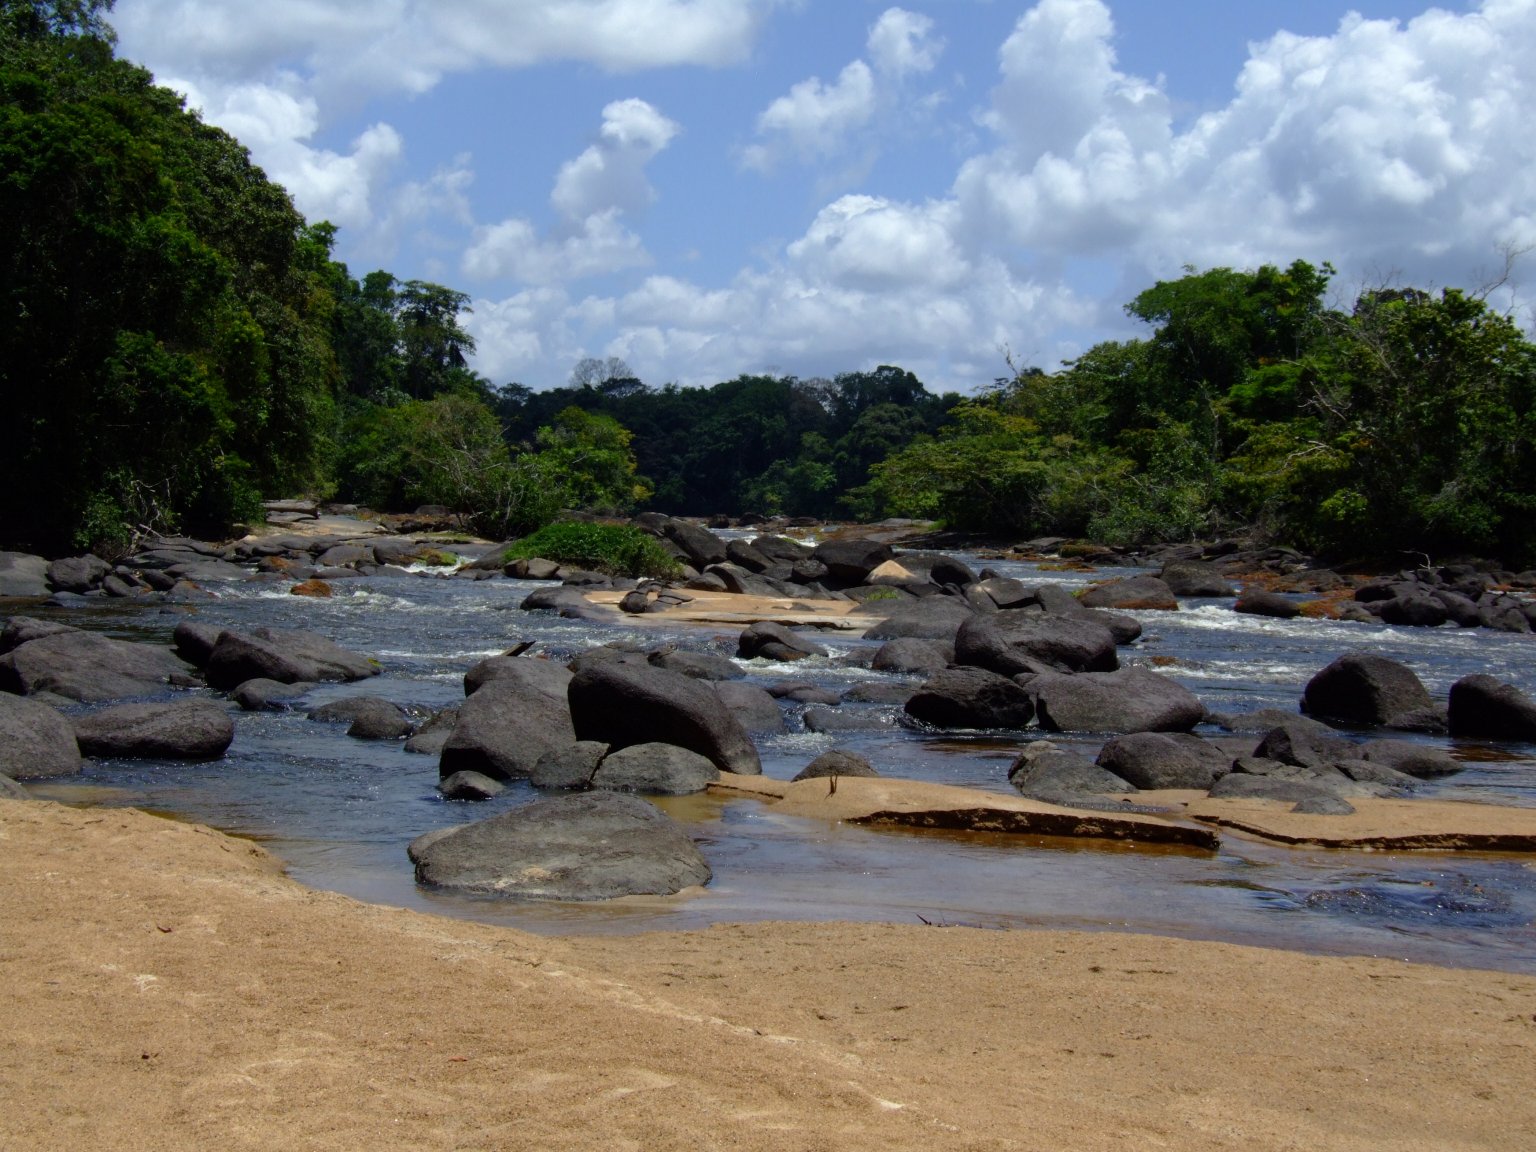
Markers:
point(177, 343)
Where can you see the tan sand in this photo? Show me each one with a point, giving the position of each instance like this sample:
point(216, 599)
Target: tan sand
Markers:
point(741, 611)
point(165, 988)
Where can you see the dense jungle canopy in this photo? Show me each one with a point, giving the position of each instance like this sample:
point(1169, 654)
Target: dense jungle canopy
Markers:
point(177, 343)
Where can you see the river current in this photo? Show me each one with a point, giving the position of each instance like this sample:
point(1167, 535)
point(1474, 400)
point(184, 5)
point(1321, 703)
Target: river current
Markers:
point(340, 811)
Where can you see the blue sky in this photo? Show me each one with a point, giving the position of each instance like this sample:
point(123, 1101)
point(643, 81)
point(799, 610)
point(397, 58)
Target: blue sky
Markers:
point(711, 187)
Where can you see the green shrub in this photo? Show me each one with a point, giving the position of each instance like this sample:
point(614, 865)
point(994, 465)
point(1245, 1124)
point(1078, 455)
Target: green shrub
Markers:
point(617, 549)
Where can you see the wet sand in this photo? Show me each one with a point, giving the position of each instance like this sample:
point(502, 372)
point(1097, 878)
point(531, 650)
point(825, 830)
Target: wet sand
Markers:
point(166, 987)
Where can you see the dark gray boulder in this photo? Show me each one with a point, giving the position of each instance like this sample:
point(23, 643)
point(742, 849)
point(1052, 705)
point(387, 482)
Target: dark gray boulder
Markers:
point(1416, 609)
point(1247, 786)
point(194, 642)
point(1324, 806)
point(1195, 578)
point(819, 718)
point(1153, 760)
point(971, 698)
point(180, 730)
point(1130, 700)
point(433, 733)
point(510, 722)
point(10, 790)
point(1370, 772)
point(698, 665)
point(570, 767)
point(36, 741)
point(909, 654)
point(470, 786)
point(931, 618)
point(1484, 708)
point(590, 846)
point(1367, 690)
point(1305, 743)
point(261, 695)
point(606, 654)
point(89, 667)
point(769, 641)
point(369, 717)
point(657, 769)
point(19, 630)
point(836, 763)
point(700, 545)
point(850, 560)
point(77, 573)
point(283, 655)
point(551, 678)
point(1057, 775)
point(754, 707)
point(1258, 602)
point(623, 704)
point(1421, 761)
point(1132, 592)
point(1015, 641)
point(781, 549)
point(22, 574)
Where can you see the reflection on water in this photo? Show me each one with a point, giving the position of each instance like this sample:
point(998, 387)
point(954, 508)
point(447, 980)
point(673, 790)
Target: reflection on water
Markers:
point(341, 811)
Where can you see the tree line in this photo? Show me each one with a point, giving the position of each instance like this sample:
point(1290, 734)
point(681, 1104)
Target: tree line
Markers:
point(177, 343)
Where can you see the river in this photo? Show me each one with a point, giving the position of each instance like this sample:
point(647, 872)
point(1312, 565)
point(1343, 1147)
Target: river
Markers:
point(340, 811)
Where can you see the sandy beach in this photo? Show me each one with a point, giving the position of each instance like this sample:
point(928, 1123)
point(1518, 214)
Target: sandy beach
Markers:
point(165, 986)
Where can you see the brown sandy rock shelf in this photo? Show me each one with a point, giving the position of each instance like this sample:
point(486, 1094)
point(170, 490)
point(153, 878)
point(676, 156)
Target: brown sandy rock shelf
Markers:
point(165, 987)
point(916, 804)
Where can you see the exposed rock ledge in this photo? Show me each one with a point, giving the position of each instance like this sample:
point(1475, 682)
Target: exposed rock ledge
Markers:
point(914, 804)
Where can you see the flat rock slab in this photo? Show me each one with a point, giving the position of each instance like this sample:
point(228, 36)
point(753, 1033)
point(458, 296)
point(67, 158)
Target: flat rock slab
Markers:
point(1443, 825)
point(592, 846)
point(914, 804)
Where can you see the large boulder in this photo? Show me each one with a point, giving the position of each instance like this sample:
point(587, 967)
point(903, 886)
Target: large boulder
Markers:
point(35, 740)
point(908, 654)
point(1017, 640)
point(22, 574)
point(699, 665)
point(1153, 760)
point(769, 641)
point(19, 630)
point(551, 678)
point(1258, 602)
point(88, 666)
point(510, 722)
point(1044, 771)
point(570, 767)
point(590, 846)
point(850, 560)
point(700, 545)
point(659, 769)
point(267, 695)
point(77, 573)
point(1132, 592)
point(1483, 708)
point(194, 642)
point(1305, 743)
point(971, 698)
point(1368, 690)
point(283, 655)
point(1130, 700)
point(1195, 578)
point(931, 618)
point(369, 717)
point(180, 730)
point(1420, 761)
point(837, 762)
point(625, 704)
point(752, 705)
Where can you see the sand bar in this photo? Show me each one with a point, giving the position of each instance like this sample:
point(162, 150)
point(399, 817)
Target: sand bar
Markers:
point(165, 987)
